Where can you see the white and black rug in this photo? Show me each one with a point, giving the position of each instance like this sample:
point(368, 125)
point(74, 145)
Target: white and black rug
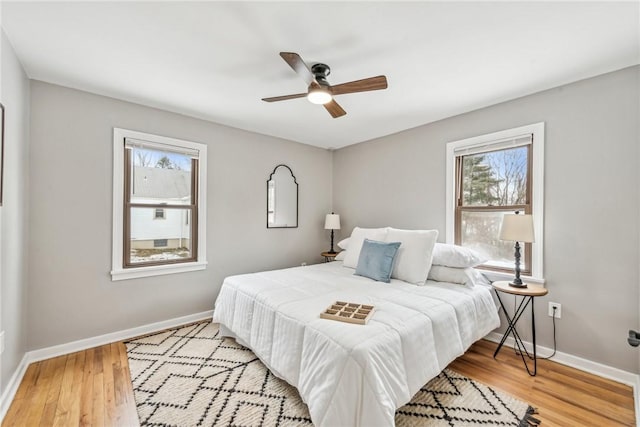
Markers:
point(190, 376)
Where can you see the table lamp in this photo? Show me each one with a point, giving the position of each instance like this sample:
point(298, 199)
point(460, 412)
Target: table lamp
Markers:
point(517, 228)
point(332, 222)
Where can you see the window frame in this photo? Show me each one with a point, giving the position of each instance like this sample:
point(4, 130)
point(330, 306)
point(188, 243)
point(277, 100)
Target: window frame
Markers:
point(535, 205)
point(130, 205)
point(523, 208)
point(120, 269)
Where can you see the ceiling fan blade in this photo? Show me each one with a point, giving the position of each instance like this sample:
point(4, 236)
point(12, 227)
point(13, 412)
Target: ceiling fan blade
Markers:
point(284, 97)
point(298, 65)
point(364, 85)
point(334, 109)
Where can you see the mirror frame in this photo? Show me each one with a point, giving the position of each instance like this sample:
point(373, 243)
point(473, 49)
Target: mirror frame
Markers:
point(297, 191)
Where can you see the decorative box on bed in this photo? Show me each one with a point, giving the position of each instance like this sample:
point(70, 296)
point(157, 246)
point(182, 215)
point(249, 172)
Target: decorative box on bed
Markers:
point(352, 375)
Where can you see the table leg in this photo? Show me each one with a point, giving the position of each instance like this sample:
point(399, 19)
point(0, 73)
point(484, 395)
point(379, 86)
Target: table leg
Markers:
point(511, 329)
point(533, 332)
point(511, 322)
point(506, 334)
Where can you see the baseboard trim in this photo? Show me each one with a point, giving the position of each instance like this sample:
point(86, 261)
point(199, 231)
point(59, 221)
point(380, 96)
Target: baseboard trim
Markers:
point(12, 386)
point(74, 346)
point(595, 368)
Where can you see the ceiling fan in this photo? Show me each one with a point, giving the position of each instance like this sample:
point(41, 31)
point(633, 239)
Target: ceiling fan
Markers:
point(319, 90)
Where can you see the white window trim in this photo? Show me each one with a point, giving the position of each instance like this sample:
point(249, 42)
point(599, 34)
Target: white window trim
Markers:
point(537, 129)
point(117, 271)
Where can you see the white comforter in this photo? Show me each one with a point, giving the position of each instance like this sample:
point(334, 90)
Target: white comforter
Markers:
point(352, 375)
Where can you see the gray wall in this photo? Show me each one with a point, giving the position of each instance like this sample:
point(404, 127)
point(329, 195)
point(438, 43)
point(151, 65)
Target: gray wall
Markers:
point(71, 295)
point(591, 201)
point(14, 213)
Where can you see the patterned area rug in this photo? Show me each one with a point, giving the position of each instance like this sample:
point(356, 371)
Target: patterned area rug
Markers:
point(191, 377)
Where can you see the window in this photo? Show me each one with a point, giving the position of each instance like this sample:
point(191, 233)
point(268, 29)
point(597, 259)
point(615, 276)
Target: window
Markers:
point(490, 184)
point(158, 214)
point(157, 178)
point(489, 176)
point(160, 243)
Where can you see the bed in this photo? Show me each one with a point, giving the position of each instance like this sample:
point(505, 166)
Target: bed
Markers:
point(352, 375)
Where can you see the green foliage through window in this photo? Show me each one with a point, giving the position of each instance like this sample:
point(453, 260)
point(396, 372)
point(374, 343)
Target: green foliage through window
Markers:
point(495, 178)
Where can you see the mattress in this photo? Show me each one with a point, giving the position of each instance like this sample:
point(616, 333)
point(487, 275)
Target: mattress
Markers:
point(347, 374)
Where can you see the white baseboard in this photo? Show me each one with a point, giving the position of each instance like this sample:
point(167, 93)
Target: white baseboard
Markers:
point(12, 387)
point(595, 368)
point(72, 347)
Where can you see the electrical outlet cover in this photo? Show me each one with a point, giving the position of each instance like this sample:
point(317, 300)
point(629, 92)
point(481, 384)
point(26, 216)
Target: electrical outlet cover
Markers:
point(558, 309)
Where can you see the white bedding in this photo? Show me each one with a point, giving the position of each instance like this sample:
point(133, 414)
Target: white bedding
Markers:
point(352, 375)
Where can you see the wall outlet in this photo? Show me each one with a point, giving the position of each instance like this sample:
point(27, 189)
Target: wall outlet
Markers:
point(1, 342)
point(558, 310)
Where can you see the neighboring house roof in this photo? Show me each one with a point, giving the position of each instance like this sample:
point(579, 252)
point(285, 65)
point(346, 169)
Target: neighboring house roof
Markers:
point(159, 183)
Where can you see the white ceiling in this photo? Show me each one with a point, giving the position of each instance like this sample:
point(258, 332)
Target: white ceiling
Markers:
point(216, 60)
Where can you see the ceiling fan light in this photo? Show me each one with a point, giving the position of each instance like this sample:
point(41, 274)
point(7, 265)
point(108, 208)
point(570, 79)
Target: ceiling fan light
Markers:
point(319, 96)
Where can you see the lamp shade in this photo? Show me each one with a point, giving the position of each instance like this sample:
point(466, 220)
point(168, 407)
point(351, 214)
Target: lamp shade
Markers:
point(332, 222)
point(517, 228)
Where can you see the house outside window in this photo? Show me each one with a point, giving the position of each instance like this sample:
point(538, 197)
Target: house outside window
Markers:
point(158, 178)
point(490, 176)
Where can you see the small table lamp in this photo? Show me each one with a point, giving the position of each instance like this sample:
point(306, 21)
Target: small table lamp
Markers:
point(332, 222)
point(517, 228)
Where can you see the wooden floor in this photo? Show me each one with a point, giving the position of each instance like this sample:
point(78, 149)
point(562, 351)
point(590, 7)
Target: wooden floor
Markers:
point(563, 396)
point(93, 388)
point(88, 388)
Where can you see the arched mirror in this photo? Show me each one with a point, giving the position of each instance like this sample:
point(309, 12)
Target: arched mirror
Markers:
point(282, 198)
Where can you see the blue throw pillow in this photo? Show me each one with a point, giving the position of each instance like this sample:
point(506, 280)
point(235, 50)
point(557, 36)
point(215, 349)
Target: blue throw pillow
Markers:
point(376, 260)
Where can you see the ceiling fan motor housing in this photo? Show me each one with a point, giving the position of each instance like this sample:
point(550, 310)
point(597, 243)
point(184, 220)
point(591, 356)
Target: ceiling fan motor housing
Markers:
point(321, 71)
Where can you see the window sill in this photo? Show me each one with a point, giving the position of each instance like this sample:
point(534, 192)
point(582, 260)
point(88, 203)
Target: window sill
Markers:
point(158, 270)
point(495, 276)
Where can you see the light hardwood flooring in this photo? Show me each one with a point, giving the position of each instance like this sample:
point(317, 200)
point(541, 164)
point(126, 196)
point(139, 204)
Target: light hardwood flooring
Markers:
point(92, 388)
point(564, 396)
point(87, 388)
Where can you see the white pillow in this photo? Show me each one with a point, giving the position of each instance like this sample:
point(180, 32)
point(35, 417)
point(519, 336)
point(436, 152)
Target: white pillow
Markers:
point(340, 256)
point(456, 256)
point(344, 243)
point(413, 260)
point(355, 243)
point(464, 276)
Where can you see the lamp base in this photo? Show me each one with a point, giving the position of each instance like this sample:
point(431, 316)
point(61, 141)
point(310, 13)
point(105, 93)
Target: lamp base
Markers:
point(332, 252)
point(517, 281)
point(518, 285)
